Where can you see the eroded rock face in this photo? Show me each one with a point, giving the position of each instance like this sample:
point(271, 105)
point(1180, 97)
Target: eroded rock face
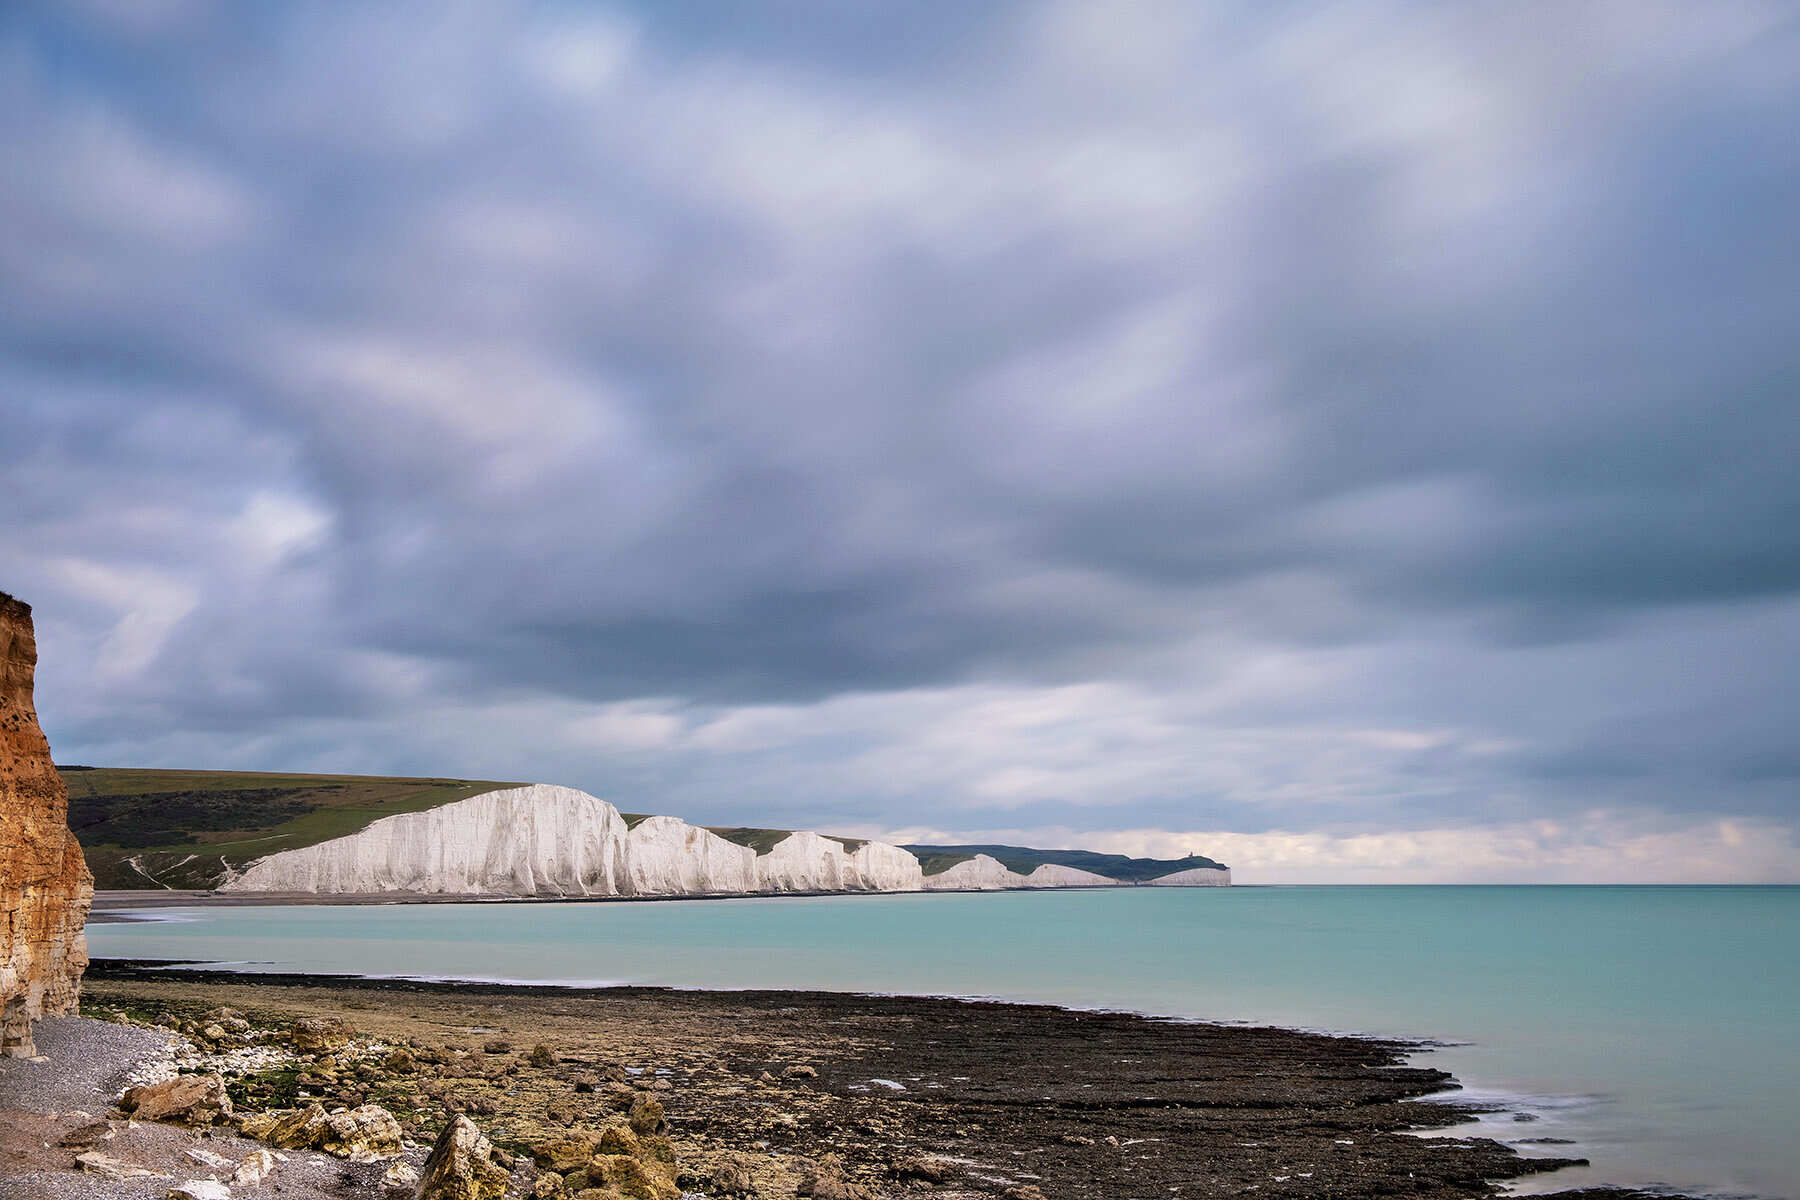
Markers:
point(45, 886)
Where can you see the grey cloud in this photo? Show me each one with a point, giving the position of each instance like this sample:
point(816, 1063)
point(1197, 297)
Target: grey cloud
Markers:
point(796, 359)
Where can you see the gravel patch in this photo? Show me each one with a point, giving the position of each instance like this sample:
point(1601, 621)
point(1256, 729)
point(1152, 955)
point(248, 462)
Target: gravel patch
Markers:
point(90, 1062)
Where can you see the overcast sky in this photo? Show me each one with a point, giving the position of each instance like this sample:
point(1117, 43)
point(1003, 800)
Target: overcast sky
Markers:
point(1356, 442)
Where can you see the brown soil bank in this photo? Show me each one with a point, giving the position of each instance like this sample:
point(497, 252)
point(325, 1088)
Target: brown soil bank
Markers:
point(956, 1098)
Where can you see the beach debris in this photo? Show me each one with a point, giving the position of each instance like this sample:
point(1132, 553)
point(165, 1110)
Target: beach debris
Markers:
point(320, 1035)
point(461, 1166)
point(95, 1163)
point(256, 1167)
point(200, 1189)
point(188, 1099)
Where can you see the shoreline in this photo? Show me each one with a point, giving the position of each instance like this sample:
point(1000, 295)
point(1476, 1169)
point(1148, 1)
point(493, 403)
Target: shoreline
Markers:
point(107, 902)
point(1094, 1103)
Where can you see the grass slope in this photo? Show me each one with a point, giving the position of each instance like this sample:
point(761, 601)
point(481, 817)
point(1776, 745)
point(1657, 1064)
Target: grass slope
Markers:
point(139, 828)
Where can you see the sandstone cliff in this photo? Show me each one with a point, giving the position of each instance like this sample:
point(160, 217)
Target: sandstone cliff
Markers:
point(45, 888)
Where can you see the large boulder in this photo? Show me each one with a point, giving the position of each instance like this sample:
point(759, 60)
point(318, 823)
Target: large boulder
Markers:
point(320, 1035)
point(364, 1134)
point(461, 1166)
point(189, 1099)
point(45, 887)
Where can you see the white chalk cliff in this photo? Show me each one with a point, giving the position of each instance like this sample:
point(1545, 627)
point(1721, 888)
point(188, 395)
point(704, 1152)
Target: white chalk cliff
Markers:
point(1197, 877)
point(987, 874)
point(544, 840)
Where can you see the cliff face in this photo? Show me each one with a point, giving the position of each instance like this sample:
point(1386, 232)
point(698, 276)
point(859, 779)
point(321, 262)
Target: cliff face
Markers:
point(45, 888)
point(1198, 877)
point(555, 841)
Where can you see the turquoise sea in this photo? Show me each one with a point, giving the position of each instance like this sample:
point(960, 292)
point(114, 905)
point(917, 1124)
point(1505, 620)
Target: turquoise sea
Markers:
point(1657, 1027)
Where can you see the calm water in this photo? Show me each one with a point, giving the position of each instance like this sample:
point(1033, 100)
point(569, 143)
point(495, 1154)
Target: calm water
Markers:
point(1660, 1027)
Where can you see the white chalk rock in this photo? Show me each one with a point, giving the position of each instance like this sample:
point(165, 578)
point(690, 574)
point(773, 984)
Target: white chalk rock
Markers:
point(257, 1166)
point(665, 856)
point(1197, 877)
point(807, 862)
point(538, 840)
point(982, 873)
point(1055, 875)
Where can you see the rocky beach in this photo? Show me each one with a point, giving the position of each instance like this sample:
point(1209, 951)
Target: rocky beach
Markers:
point(659, 1093)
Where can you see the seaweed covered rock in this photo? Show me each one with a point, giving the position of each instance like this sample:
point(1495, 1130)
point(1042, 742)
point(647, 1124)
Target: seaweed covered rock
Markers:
point(45, 887)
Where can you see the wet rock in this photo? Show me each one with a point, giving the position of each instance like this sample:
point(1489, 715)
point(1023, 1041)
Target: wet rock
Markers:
point(461, 1166)
point(634, 1178)
point(731, 1176)
point(547, 1185)
point(1023, 1192)
point(920, 1166)
point(563, 1155)
point(827, 1180)
point(189, 1099)
point(647, 1117)
point(618, 1139)
point(800, 1071)
point(563, 1111)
